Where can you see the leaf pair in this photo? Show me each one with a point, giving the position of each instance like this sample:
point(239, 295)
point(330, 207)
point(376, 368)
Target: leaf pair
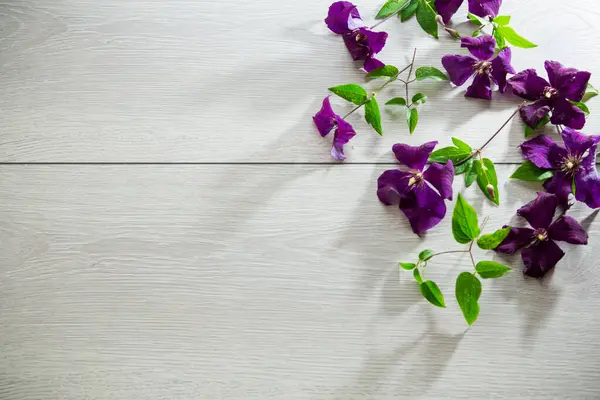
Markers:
point(484, 172)
point(358, 95)
point(502, 32)
point(425, 12)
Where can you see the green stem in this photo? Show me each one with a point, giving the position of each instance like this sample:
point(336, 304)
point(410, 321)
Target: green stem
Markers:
point(412, 63)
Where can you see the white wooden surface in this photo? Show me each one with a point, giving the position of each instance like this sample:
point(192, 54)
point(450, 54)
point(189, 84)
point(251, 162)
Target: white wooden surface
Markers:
point(122, 282)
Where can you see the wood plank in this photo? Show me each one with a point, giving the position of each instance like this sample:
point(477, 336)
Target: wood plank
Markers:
point(211, 282)
point(230, 81)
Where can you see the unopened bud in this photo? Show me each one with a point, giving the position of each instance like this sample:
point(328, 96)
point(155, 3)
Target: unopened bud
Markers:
point(439, 20)
point(453, 32)
point(490, 190)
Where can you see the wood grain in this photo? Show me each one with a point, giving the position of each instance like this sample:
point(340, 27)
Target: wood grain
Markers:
point(223, 282)
point(231, 81)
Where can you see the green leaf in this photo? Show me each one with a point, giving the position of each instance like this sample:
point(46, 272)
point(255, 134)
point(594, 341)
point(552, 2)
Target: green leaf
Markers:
point(425, 255)
point(543, 122)
point(407, 12)
point(471, 173)
point(412, 117)
point(465, 227)
point(432, 293)
point(493, 240)
point(397, 101)
point(433, 73)
point(476, 20)
point(591, 92)
point(502, 20)
point(383, 72)
point(491, 269)
point(514, 38)
point(528, 171)
point(581, 106)
point(487, 180)
point(419, 98)
point(417, 275)
point(408, 266)
point(461, 169)
point(468, 291)
point(500, 42)
point(444, 154)
point(461, 145)
point(391, 7)
point(426, 17)
point(351, 92)
point(372, 115)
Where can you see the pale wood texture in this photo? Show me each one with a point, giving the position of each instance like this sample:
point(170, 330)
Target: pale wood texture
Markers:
point(231, 80)
point(191, 283)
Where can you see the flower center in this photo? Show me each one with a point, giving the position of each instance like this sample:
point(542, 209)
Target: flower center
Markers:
point(570, 165)
point(416, 179)
point(483, 67)
point(550, 92)
point(540, 235)
point(360, 38)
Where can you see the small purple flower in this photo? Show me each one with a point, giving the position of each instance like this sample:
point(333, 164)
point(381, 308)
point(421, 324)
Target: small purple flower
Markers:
point(326, 120)
point(565, 84)
point(485, 68)
point(420, 194)
point(573, 164)
point(363, 44)
point(539, 251)
point(481, 8)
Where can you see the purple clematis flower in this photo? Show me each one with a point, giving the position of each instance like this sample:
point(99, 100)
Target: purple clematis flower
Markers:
point(363, 44)
point(485, 68)
point(565, 84)
point(420, 194)
point(539, 251)
point(326, 120)
point(481, 8)
point(573, 164)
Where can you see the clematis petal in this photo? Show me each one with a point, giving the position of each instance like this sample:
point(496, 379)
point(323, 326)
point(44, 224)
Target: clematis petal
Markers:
point(325, 119)
point(392, 185)
point(447, 8)
point(485, 8)
point(414, 157)
point(577, 143)
point(539, 212)
point(424, 209)
point(481, 47)
point(528, 85)
point(460, 68)
point(532, 114)
point(363, 43)
point(560, 185)
point(537, 151)
point(541, 258)
point(589, 162)
point(567, 229)
point(571, 83)
point(342, 135)
point(357, 49)
point(372, 63)
point(339, 15)
point(375, 41)
point(481, 88)
point(557, 156)
point(441, 177)
point(501, 67)
point(516, 239)
point(587, 188)
point(565, 113)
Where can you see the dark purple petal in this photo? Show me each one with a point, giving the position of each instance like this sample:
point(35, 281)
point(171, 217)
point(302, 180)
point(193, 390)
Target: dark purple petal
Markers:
point(528, 85)
point(532, 114)
point(567, 229)
point(589, 162)
point(339, 14)
point(587, 187)
point(363, 43)
point(560, 185)
point(539, 212)
point(447, 8)
point(565, 113)
point(424, 209)
point(325, 119)
point(392, 185)
point(441, 177)
point(357, 49)
point(481, 47)
point(372, 63)
point(570, 82)
point(481, 88)
point(414, 157)
point(557, 156)
point(342, 135)
point(375, 41)
point(541, 258)
point(460, 68)
point(516, 239)
point(577, 143)
point(537, 151)
point(485, 8)
point(501, 67)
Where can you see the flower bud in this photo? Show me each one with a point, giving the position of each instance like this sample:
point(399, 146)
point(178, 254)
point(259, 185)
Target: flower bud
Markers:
point(439, 20)
point(490, 190)
point(453, 32)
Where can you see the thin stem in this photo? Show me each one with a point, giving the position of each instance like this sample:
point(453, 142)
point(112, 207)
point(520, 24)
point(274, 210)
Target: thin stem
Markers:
point(356, 108)
point(472, 260)
point(449, 252)
point(412, 63)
